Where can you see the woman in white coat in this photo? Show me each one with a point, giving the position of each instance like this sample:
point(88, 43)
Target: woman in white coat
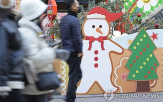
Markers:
point(35, 48)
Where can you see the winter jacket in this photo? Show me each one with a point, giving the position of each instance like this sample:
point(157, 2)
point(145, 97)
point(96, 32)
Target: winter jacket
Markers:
point(71, 33)
point(37, 51)
point(11, 57)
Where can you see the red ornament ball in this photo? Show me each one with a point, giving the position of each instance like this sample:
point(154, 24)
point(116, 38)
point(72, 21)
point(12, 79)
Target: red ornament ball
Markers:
point(144, 49)
point(147, 45)
point(137, 57)
point(149, 72)
point(139, 15)
point(156, 25)
point(145, 76)
point(130, 65)
point(134, 61)
point(155, 64)
point(141, 53)
point(152, 68)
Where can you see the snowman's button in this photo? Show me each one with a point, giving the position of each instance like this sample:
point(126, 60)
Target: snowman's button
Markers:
point(96, 58)
point(96, 65)
point(96, 52)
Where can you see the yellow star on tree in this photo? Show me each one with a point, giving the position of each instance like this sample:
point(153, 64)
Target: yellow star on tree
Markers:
point(129, 41)
point(144, 35)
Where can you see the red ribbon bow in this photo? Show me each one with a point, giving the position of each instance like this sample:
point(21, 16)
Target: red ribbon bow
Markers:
point(92, 39)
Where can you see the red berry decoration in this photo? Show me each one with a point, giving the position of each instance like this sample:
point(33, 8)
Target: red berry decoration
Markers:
point(155, 64)
point(139, 15)
point(141, 53)
point(137, 57)
point(156, 25)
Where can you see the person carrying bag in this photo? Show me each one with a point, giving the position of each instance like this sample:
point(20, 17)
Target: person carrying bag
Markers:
point(37, 52)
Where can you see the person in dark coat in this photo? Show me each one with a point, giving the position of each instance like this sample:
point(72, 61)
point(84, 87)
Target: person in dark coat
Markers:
point(11, 57)
point(72, 41)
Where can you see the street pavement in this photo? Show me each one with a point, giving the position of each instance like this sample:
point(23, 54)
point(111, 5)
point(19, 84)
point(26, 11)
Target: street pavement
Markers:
point(144, 97)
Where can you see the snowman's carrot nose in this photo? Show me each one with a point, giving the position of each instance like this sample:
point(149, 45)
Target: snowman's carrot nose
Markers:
point(99, 31)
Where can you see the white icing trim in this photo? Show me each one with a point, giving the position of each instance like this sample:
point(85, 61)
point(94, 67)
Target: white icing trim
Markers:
point(153, 83)
point(16, 85)
point(5, 88)
point(96, 15)
point(116, 73)
point(63, 77)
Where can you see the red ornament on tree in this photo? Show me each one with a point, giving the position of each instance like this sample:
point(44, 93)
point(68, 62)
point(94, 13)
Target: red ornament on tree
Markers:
point(139, 15)
point(156, 25)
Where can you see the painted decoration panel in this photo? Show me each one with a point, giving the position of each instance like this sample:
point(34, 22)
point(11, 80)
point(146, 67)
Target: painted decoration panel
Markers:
point(146, 6)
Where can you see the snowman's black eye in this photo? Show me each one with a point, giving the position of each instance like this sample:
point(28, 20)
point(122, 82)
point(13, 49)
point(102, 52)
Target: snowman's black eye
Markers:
point(100, 26)
point(93, 26)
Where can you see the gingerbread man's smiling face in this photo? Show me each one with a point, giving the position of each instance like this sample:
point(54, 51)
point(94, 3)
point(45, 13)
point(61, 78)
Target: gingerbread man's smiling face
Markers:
point(96, 27)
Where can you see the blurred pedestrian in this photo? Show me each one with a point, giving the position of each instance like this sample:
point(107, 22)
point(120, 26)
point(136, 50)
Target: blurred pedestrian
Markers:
point(35, 47)
point(11, 56)
point(72, 41)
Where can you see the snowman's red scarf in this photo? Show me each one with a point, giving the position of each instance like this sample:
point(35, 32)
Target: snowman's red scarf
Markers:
point(92, 39)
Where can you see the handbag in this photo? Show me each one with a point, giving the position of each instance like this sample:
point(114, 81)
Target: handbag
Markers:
point(48, 81)
point(43, 81)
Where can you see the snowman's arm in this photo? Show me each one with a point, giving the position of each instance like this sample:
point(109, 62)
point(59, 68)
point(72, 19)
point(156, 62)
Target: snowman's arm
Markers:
point(115, 47)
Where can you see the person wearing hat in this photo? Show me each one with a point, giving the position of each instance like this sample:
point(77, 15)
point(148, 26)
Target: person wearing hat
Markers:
point(35, 47)
point(72, 41)
point(11, 56)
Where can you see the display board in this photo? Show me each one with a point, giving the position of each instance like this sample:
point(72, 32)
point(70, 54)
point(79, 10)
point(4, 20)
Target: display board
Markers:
point(132, 63)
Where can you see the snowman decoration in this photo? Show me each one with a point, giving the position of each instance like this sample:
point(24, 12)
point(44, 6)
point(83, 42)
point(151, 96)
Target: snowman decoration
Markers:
point(96, 63)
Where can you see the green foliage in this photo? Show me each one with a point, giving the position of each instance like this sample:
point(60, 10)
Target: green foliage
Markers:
point(54, 28)
point(113, 6)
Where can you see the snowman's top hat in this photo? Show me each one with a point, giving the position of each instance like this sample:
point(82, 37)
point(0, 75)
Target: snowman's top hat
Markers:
point(101, 13)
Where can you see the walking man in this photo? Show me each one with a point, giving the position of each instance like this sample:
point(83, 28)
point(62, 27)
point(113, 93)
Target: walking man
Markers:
point(72, 41)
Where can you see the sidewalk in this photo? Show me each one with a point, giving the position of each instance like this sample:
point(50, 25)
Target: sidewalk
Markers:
point(117, 98)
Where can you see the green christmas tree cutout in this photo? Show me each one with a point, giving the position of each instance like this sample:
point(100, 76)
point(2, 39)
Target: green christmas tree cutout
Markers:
point(142, 62)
